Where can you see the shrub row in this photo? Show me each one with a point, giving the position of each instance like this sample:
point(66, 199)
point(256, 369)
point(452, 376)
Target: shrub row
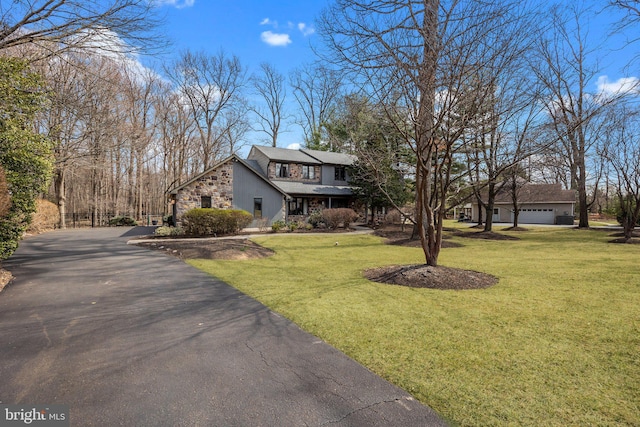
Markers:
point(213, 222)
point(333, 218)
point(330, 218)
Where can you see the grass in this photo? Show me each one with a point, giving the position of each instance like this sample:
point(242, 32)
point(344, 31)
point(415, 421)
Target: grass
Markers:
point(556, 342)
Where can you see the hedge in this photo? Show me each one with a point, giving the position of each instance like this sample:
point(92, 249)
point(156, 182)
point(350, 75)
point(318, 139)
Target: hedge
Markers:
point(213, 222)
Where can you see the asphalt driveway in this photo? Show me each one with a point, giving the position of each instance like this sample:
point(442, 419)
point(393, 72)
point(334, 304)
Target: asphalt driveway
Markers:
point(127, 336)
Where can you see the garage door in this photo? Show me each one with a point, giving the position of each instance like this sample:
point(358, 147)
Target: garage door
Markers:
point(536, 216)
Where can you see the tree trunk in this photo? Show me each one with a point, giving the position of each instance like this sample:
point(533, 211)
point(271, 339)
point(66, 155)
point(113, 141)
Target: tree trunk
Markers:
point(480, 208)
point(583, 204)
point(488, 224)
point(491, 197)
point(61, 196)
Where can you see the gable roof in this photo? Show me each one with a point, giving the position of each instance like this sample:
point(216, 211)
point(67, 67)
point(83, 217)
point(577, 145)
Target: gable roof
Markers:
point(286, 155)
point(537, 193)
point(330, 157)
point(304, 155)
point(252, 166)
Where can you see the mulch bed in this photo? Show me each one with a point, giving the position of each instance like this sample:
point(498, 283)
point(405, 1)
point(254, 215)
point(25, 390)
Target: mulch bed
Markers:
point(486, 235)
point(229, 249)
point(424, 276)
point(634, 240)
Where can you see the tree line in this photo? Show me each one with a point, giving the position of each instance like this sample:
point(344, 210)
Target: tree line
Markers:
point(442, 102)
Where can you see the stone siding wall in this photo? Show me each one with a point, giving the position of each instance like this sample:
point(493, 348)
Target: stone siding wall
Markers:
point(218, 184)
point(295, 172)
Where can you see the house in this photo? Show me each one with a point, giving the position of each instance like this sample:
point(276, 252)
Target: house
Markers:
point(538, 204)
point(273, 184)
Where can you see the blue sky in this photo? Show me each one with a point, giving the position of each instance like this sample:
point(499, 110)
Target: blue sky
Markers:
point(280, 32)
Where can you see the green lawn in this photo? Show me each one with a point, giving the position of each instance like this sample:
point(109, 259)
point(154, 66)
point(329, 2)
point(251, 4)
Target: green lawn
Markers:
point(556, 342)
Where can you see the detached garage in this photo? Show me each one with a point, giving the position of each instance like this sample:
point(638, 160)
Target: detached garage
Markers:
point(536, 215)
point(538, 204)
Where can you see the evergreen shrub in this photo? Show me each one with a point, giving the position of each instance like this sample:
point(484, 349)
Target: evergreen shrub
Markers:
point(214, 222)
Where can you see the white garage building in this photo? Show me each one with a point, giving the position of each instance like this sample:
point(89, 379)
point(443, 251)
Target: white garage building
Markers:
point(538, 204)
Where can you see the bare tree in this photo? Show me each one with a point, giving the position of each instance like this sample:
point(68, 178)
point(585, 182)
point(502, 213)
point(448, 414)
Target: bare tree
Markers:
point(62, 122)
point(138, 96)
point(567, 70)
point(621, 149)
point(316, 89)
point(59, 25)
point(269, 85)
point(176, 132)
point(209, 85)
point(499, 138)
point(103, 118)
point(235, 125)
point(416, 58)
point(631, 18)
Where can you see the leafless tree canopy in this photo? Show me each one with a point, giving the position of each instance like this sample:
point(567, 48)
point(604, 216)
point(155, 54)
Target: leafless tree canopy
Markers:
point(58, 25)
point(568, 69)
point(620, 148)
point(316, 89)
point(417, 58)
point(211, 87)
point(269, 85)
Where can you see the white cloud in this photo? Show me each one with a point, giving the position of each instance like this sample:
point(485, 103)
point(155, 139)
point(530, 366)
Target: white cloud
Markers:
point(266, 21)
point(275, 39)
point(105, 43)
point(305, 29)
point(294, 146)
point(178, 4)
point(624, 85)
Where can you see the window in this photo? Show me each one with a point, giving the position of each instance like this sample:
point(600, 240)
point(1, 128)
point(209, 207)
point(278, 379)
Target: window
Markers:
point(257, 207)
point(496, 211)
point(339, 203)
point(308, 172)
point(341, 173)
point(298, 206)
point(282, 170)
point(205, 202)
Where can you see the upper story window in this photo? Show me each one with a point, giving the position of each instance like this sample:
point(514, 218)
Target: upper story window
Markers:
point(341, 173)
point(282, 170)
point(308, 172)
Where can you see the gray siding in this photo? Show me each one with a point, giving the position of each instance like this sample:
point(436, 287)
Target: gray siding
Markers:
point(259, 157)
point(328, 176)
point(247, 186)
